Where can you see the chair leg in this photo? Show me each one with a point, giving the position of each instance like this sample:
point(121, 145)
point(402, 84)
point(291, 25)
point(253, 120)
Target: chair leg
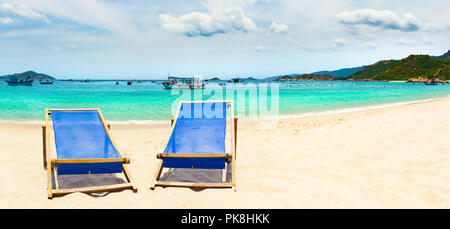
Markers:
point(49, 182)
point(126, 172)
point(157, 175)
point(44, 144)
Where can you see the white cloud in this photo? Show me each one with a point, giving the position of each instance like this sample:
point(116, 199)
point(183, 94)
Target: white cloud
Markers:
point(22, 10)
point(96, 13)
point(6, 20)
point(279, 28)
point(405, 42)
point(383, 19)
point(339, 42)
point(414, 42)
point(370, 45)
point(208, 24)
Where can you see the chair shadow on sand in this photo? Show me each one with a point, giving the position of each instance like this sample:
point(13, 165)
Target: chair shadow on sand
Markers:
point(196, 175)
point(87, 180)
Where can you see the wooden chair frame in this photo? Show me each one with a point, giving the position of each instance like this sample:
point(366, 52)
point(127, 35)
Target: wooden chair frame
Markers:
point(51, 164)
point(229, 158)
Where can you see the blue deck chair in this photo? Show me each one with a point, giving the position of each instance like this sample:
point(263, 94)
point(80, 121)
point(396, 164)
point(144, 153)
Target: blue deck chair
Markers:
point(83, 146)
point(198, 141)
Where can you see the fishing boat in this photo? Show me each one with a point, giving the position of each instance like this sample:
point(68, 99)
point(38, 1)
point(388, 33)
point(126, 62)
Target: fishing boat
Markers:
point(129, 82)
point(431, 83)
point(183, 83)
point(46, 81)
point(20, 81)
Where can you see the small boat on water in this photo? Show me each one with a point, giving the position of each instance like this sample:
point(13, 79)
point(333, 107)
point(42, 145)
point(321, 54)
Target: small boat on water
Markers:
point(20, 81)
point(183, 83)
point(129, 82)
point(46, 81)
point(432, 82)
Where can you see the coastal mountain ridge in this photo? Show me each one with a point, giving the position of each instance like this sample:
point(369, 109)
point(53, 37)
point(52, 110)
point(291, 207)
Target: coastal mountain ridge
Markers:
point(411, 68)
point(341, 73)
point(446, 56)
point(373, 70)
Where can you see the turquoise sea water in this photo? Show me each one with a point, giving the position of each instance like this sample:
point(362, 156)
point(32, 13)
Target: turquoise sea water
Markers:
point(149, 101)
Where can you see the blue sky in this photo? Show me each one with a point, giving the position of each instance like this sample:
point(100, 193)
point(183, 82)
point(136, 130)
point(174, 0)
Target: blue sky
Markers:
point(222, 38)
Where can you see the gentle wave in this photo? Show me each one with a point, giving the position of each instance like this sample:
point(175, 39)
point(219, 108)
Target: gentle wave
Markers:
point(261, 118)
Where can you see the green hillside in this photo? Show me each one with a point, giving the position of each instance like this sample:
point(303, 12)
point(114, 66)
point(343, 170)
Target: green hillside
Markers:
point(414, 66)
point(372, 72)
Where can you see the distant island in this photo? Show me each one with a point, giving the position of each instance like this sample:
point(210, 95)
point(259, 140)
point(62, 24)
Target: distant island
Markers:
point(414, 68)
point(29, 74)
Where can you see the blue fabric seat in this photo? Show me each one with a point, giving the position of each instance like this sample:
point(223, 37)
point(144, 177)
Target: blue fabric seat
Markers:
point(81, 135)
point(200, 128)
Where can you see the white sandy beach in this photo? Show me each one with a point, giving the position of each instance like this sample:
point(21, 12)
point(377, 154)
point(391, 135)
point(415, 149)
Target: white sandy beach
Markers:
point(396, 157)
